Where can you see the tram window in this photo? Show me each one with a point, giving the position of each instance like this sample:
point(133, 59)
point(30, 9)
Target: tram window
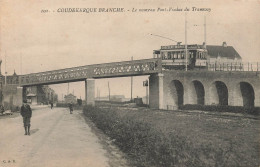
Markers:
point(175, 55)
point(169, 55)
point(162, 54)
point(179, 55)
point(172, 55)
point(165, 56)
point(204, 55)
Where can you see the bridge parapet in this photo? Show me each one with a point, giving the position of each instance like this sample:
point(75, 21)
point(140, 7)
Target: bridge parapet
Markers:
point(238, 66)
point(126, 68)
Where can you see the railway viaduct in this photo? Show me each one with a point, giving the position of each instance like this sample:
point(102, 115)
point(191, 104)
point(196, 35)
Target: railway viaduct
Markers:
point(170, 89)
point(167, 88)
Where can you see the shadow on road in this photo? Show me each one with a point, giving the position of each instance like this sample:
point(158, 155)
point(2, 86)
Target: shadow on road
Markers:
point(34, 131)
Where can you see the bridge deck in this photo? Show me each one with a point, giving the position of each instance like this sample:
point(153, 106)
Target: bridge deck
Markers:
point(106, 70)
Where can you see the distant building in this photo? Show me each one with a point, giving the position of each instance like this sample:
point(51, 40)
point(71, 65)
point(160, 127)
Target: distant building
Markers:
point(8, 90)
point(70, 98)
point(223, 54)
point(115, 98)
point(31, 98)
point(40, 95)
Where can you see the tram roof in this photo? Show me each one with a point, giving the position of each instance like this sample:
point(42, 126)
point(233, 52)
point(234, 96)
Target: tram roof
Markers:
point(213, 50)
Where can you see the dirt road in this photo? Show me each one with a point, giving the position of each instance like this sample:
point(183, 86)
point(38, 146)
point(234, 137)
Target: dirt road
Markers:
point(58, 139)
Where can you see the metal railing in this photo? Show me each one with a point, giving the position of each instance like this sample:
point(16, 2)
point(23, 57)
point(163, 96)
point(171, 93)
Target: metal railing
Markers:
point(115, 69)
point(253, 66)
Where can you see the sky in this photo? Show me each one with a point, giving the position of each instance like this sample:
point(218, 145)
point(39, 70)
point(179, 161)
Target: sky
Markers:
point(32, 40)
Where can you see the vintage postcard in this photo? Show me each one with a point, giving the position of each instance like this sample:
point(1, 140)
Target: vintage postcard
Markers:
point(114, 83)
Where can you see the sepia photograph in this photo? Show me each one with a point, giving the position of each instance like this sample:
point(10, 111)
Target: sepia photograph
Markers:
point(95, 83)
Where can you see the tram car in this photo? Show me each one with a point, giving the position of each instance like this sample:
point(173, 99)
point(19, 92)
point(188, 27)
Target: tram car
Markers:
point(173, 56)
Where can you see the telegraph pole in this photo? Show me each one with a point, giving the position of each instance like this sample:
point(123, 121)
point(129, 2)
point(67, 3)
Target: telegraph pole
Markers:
point(186, 50)
point(68, 88)
point(132, 82)
point(108, 91)
point(146, 84)
point(5, 69)
point(21, 65)
point(147, 94)
point(205, 31)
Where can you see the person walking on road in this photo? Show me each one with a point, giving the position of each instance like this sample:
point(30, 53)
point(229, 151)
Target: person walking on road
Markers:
point(2, 109)
point(71, 107)
point(26, 113)
point(51, 105)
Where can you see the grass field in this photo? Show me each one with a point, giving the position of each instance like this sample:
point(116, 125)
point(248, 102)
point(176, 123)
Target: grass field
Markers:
point(182, 137)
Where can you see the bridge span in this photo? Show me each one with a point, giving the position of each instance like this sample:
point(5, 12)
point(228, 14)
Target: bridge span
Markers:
point(106, 70)
point(167, 88)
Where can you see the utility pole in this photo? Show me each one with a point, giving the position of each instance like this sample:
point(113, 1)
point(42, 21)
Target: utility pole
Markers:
point(205, 31)
point(21, 65)
point(186, 50)
point(147, 94)
point(108, 91)
point(146, 84)
point(5, 68)
point(68, 88)
point(205, 42)
point(132, 82)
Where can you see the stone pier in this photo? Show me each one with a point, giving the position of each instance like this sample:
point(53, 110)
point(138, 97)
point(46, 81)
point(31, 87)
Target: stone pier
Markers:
point(90, 91)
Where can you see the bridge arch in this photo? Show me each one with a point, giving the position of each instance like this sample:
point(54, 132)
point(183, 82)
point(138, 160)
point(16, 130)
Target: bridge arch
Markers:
point(177, 92)
point(197, 93)
point(218, 93)
point(247, 94)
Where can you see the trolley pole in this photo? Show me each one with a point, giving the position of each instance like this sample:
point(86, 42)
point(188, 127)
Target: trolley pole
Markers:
point(186, 50)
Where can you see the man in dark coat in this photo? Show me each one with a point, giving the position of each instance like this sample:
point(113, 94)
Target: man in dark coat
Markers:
point(51, 105)
point(2, 109)
point(71, 108)
point(26, 113)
